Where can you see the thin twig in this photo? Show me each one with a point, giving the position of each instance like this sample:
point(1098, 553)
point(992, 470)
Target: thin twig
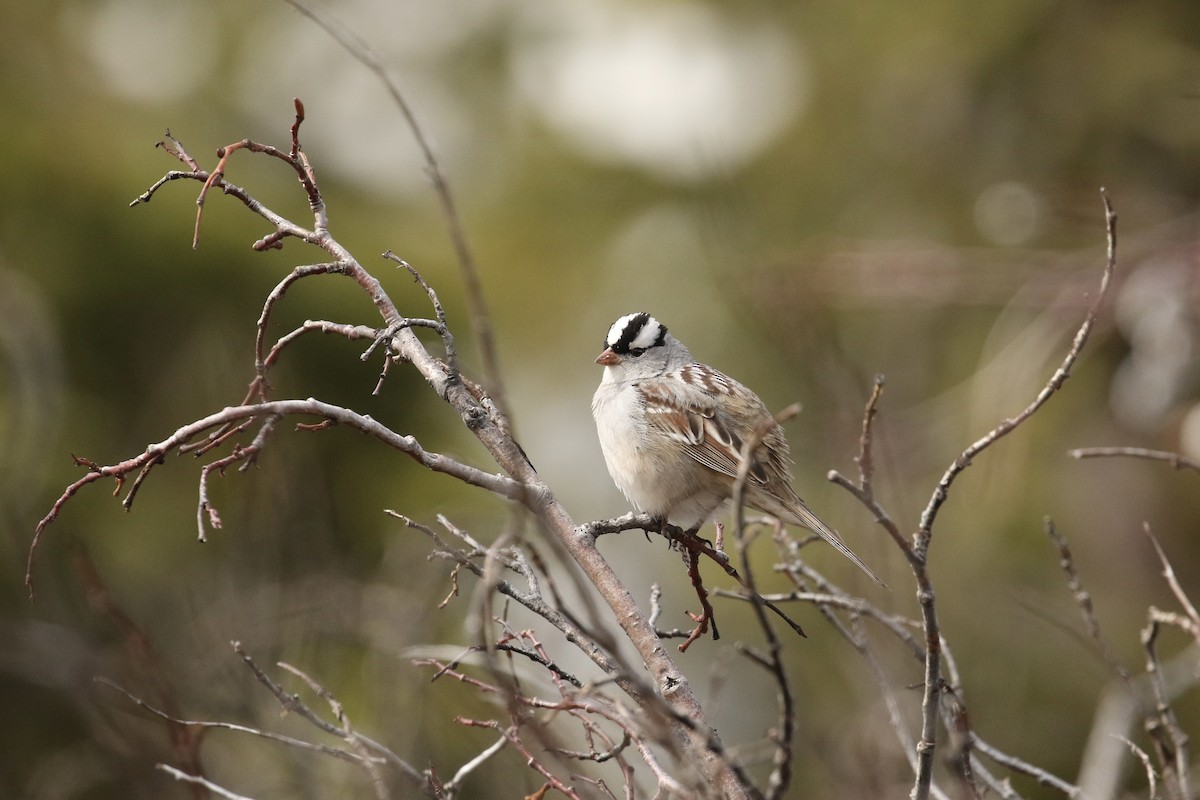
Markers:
point(1084, 600)
point(291, 702)
point(348, 733)
point(289, 741)
point(247, 455)
point(707, 616)
point(179, 775)
point(1053, 385)
point(924, 534)
point(1170, 742)
point(1168, 572)
point(480, 318)
point(450, 787)
point(1042, 776)
point(153, 454)
point(1176, 460)
point(1144, 757)
point(785, 726)
point(864, 490)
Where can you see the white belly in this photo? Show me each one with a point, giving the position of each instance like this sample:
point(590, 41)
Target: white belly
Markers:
point(655, 479)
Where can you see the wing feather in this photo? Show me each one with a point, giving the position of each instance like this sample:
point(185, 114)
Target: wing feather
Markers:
point(684, 405)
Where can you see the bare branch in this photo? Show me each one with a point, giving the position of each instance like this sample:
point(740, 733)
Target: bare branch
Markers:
point(348, 734)
point(450, 787)
point(1053, 385)
point(1176, 460)
point(289, 741)
point(506, 487)
point(1168, 572)
point(1084, 600)
point(1170, 742)
point(1151, 776)
point(199, 781)
point(291, 702)
point(1042, 776)
point(480, 318)
point(924, 535)
point(864, 490)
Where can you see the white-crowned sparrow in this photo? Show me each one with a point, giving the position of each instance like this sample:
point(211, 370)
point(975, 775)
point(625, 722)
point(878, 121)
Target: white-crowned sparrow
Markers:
point(672, 431)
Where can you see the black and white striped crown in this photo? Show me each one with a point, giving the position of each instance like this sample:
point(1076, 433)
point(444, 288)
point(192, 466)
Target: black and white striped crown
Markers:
point(635, 333)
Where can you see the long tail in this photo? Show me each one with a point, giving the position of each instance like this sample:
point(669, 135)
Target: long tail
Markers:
point(814, 523)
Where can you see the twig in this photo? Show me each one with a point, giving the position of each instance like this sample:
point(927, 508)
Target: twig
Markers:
point(536, 604)
point(706, 617)
point(510, 733)
point(199, 781)
point(1084, 600)
point(450, 787)
point(1040, 775)
point(348, 734)
point(1053, 385)
point(442, 328)
point(247, 455)
point(480, 318)
point(864, 489)
point(772, 663)
point(1168, 572)
point(1170, 742)
point(261, 363)
point(291, 702)
point(1176, 460)
point(504, 486)
point(1144, 757)
point(290, 741)
point(921, 540)
point(294, 159)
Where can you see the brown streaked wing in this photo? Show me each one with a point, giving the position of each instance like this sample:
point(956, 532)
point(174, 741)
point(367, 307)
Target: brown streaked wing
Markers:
point(690, 418)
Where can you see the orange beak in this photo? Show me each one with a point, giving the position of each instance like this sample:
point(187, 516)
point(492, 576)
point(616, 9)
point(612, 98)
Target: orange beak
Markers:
point(608, 358)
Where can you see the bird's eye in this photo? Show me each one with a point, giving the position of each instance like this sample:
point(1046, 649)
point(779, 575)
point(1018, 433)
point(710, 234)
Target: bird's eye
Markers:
point(636, 351)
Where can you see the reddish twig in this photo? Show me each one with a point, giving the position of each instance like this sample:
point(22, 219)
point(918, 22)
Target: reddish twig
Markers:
point(510, 733)
point(706, 617)
point(247, 456)
point(155, 453)
point(295, 159)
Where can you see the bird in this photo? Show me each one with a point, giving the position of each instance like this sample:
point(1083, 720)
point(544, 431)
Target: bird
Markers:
point(673, 429)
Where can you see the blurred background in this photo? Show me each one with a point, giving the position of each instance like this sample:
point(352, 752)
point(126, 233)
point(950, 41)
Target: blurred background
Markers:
point(807, 194)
